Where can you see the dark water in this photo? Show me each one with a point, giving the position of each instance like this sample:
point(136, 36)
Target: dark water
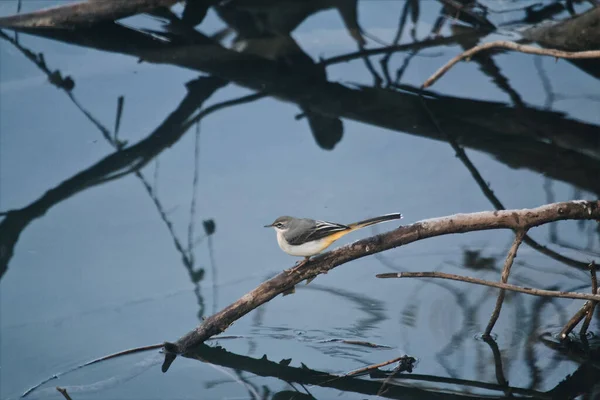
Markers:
point(101, 263)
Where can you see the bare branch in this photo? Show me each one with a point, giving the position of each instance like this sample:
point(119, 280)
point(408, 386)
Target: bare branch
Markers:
point(64, 393)
point(84, 13)
point(512, 46)
point(575, 319)
point(459, 223)
point(507, 286)
point(590, 313)
point(376, 366)
point(586, 311)
point(512, 253)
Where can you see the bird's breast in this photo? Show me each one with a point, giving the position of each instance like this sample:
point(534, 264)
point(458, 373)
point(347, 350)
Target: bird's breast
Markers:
point(303, 250)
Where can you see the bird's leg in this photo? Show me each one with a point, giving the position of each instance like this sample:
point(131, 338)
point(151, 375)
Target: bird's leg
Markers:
point(297, 265)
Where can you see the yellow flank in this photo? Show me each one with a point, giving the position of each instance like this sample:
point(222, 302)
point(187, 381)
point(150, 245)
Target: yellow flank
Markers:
point(332, 238)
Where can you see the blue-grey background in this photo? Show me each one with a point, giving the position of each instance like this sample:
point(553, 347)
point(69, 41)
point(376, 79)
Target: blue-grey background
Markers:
point(99, 272)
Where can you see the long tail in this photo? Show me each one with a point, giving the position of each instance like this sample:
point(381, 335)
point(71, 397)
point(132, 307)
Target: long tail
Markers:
point(373, 221)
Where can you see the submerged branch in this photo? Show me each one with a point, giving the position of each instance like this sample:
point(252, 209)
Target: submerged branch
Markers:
point(511, 219)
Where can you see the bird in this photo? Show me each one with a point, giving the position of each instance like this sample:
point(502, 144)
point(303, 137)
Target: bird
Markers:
point(304, 237)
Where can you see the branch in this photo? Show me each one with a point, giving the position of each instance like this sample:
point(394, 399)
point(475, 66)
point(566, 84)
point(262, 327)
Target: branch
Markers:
point(507, 286)
point(84, 13)
point(573, 34)
point(512, 253)
point(586, 311)
point(459, 223)
point(512, 46)
point(575, 319)
point(588, 317)
point(64, 393)
point(361, 371)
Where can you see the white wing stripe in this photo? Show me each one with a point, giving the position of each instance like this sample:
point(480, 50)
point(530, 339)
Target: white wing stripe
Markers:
point(325, 225)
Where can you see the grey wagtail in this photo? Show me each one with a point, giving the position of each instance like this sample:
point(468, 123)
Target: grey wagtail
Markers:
point(303, 237)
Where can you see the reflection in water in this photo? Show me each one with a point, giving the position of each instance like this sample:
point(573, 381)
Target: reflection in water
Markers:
point(115, 166)
point(265, 57)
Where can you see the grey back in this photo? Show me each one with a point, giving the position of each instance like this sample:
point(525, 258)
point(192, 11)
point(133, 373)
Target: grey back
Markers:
point(302, 230)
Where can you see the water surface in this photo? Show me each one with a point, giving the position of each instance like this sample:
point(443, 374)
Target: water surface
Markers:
point(110, 265)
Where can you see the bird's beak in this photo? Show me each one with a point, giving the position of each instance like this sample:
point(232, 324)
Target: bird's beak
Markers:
point(268, 226)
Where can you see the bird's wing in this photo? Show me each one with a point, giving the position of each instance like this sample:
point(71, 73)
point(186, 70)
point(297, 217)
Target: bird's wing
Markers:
point(309, 230)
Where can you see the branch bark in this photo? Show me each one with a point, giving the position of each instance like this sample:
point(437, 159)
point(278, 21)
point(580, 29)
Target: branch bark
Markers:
point(573, 34)
point(82, 14)
point(590, 313)
point(64, 393)
point(512, 253)
point(575, 319)
point(376, 366)
point(512, 46)
point(586, 311)
point(523, 219)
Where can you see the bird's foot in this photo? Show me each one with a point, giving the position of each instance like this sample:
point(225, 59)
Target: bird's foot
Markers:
point(298, 265)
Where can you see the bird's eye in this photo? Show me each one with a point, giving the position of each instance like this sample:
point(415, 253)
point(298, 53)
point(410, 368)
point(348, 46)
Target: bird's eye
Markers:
point(279, 225)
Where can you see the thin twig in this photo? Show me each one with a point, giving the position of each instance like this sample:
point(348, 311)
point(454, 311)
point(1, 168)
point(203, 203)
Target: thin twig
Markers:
point(500, 285)
point(575, 319)
point(374, 366)
point(64, 393)
point(512, 46)
point(590, 313)
point(512, 253)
